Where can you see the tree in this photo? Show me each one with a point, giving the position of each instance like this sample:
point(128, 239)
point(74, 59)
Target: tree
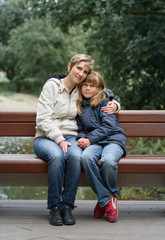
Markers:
point(40, 51)
point(127, 41)
point(11, 16)
point(33, 49)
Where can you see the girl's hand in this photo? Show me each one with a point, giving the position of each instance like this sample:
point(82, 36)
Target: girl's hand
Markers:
point(64, 146)
point(83, 143)
point(111, 108)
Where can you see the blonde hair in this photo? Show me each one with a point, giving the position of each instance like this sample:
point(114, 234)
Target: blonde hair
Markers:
point(96, 79)
point(82, 57)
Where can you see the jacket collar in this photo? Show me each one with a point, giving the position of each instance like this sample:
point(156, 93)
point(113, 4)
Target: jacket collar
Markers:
point(59, 76)
point(86, 101)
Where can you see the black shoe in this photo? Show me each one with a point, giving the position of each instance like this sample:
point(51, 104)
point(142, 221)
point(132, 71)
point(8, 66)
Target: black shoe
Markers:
point(55, 216)
point(67, 216)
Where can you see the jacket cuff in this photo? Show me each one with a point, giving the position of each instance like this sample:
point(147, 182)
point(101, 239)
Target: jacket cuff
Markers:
point(59, 139)
point(118, 106)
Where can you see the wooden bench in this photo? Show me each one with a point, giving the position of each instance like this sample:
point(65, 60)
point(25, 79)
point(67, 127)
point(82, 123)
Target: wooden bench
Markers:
point(134, 170)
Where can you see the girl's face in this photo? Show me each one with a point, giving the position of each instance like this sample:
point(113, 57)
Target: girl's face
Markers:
point(89, 90)
point(78, 73)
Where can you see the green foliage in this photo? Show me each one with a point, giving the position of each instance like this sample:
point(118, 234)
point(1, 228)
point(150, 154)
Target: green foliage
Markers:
point(34, 193)
point(127, 41)
point(15, 145)
point(135, 193)
point(4, 80)
point(85, 193)
point(76, 40)
point(7, 60)
point(4, 84)
point(11, 16)
point(40, 51)
point(33, 49)
point(139, 193)
point(133, 63)
point(126, 193)
point(145, 145)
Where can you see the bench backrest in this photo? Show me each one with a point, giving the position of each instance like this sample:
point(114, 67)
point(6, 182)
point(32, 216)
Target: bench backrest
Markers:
point(136, 123)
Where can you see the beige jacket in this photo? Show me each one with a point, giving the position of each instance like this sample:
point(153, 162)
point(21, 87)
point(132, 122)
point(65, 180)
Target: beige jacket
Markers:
point(56, 113)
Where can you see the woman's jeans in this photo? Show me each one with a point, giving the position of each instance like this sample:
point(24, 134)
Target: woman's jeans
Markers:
point(63, 171)
point(103, 180)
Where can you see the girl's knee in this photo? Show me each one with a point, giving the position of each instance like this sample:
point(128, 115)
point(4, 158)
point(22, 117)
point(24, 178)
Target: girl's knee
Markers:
point(85, 159)
point(109, 162)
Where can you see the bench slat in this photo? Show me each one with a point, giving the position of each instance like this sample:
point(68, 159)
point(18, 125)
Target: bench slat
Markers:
point(25, 163)
point(145, 116)
point(17, 129)
point(21, 116)
point(137, 116)
point(144, 129)
point(131, 129)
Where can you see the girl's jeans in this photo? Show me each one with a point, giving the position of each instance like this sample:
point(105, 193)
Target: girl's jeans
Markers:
point(62, 170)
point(103, 180)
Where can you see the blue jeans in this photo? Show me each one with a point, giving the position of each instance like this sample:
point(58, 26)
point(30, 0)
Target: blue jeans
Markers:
point(102, 180)
point(63, 171)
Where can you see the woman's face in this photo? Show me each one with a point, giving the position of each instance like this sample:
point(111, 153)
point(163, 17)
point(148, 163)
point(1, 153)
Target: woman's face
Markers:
point(78, 72)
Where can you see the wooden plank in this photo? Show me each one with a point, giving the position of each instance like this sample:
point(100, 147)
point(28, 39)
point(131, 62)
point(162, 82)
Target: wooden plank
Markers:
point(17, 129)
point(16, 117)
point(41, 179)
point(123, 116)
point(148, 116)
point(24, 163)
point(142, 165)
point(131, 129)
point(144, 129)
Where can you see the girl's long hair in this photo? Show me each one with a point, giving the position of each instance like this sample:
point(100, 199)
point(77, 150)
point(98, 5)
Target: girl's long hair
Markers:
point(93, 78)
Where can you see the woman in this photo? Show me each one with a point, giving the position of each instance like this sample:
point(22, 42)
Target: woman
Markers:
point(101, 136)
point(55, 139)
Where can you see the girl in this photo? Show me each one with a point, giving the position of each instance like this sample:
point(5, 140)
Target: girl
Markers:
point(101, 136)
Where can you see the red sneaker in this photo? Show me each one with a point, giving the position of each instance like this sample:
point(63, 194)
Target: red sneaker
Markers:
point(111, 210)
point(99, 211)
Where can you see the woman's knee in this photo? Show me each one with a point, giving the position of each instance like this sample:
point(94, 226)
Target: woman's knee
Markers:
point(55, 157)
point(47, 149)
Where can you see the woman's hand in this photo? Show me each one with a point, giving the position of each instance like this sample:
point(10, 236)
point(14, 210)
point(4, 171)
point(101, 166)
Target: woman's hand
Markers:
point(111, 108)
point(83, 143)
point(64, 146)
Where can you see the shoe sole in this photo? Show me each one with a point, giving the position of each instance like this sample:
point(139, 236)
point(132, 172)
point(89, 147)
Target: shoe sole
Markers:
point(98, 216)
point(69, 223)
point(56, 224)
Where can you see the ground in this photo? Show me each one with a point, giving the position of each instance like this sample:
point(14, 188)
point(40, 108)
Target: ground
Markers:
point(18, 102)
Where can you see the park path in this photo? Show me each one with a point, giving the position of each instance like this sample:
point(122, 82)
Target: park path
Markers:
point(18, 102)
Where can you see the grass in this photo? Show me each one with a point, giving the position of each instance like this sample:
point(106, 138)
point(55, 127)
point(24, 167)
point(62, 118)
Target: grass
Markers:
point(4, 80)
